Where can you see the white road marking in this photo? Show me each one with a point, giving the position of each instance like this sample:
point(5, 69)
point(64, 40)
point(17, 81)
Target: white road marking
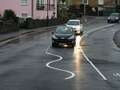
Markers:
point(57, 60)
point(61, 58)
point(116, 75)
point(86, 57)
point(96, 29)
point(90, 62)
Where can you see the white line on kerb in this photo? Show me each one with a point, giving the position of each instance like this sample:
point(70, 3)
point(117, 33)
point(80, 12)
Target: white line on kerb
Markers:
point(57, 60)
point(88, 60)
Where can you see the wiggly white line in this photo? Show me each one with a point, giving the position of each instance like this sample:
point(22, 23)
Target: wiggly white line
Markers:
point(60, 58)
point(86, 57)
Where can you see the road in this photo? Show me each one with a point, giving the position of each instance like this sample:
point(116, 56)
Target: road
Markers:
point(30, 63)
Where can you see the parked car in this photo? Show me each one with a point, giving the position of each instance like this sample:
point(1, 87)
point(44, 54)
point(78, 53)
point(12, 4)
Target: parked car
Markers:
point(113, 18)
point(75, 25)
point(63, 36)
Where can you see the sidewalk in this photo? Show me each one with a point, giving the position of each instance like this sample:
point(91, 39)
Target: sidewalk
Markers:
point(4, 37)
point(116, 38)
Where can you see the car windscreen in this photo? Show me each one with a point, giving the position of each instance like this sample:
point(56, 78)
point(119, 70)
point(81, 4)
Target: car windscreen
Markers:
point(64, 30)
point(73, 23)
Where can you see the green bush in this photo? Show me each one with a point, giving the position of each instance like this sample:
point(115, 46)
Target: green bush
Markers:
point(9, 22)
point(10, 15)
point(30, 23)
point(1, 24)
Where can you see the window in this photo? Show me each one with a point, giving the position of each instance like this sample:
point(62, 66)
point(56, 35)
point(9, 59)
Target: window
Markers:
point(84, 2)
point(50, 5)
point(40, 4)
point(24, 2)
point(53, 5)
point(118, 2)
point(24, 15)
point(100, 2)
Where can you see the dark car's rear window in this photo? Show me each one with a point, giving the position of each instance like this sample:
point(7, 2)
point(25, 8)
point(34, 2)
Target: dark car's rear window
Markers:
point(64, 30)
point(114, 14)
point(73, 23)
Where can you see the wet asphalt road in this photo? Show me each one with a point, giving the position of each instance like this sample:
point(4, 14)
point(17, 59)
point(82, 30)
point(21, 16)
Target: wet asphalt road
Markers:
point(23, 62)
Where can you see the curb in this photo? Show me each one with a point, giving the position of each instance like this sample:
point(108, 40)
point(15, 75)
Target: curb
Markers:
point(6, 40)
point(115, 45)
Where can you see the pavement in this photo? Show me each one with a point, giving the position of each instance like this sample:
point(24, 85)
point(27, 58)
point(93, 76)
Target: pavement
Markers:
point(4, 37)
point(116, 38)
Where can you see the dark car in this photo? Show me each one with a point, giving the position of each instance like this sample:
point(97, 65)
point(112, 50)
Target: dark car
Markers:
point(63, 36)
point(113, 18)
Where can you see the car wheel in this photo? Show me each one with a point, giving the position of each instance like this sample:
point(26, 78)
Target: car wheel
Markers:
point(54, 45)
point(81, 33)
point(73, 45)
point(108, 21)
point(118, 21)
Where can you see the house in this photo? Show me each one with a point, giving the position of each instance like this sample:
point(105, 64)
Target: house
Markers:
point(37, 9)
point(106, 6)
point(94, 6)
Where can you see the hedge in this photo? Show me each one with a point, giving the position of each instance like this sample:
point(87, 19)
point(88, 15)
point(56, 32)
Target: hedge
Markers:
point(36, 23)
point(8, 26)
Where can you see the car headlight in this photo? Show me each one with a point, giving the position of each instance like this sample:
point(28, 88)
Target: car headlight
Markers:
point(78, 28)
point(108, 17)
point(116, 18)
point(54, 37)
point(72, 37)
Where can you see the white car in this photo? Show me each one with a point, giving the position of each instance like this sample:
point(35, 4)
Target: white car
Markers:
point(75, 25)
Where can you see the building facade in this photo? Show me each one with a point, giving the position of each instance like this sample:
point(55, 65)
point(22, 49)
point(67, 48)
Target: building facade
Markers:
point(37, 9)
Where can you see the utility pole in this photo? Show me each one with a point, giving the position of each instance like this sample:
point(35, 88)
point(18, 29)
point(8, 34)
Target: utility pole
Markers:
point(116, 5)
point(32, 8)
point(84, 8)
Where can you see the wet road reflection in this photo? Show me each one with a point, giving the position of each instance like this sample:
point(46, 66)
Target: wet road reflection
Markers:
point(77, 55)
point(77, 61)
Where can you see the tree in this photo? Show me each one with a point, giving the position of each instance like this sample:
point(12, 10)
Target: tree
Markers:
point(10, 15)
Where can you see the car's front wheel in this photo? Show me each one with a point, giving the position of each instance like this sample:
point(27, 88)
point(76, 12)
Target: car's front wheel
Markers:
point(54, 45)
point(117, 21)
point(73, 44)
point(81, 33)
point(108, 21)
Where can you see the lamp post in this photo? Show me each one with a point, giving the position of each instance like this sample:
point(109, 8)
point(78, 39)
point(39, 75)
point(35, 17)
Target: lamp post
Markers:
point(85, 2)
point(84, 8)
point(47, 17)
